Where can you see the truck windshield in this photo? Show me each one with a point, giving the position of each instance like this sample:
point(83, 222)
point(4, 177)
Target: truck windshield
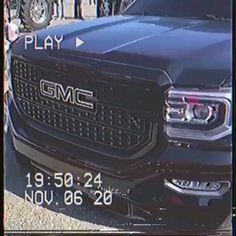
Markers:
point(210, 9)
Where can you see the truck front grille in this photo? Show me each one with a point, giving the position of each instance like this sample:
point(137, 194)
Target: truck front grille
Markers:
point(122, 124)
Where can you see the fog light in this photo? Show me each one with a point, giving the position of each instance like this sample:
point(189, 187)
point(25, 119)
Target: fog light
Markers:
point(202, 189)
point(197, 185)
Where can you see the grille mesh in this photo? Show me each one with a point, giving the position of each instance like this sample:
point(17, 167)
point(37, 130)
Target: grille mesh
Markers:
point(110, 125)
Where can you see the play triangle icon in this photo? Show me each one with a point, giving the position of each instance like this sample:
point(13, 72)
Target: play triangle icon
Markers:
point(78, 42)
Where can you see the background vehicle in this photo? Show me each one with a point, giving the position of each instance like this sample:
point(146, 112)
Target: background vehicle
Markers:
point(33, 14)
point(37, 14)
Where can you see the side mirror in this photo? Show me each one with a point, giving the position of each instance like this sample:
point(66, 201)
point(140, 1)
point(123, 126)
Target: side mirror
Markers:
point(12, 32)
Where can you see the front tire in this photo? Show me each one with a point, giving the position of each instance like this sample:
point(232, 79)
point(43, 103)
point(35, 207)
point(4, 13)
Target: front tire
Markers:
point(36, 14)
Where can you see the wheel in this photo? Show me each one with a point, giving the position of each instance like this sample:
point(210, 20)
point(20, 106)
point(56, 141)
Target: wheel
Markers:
point(104, 8)
point(36, 14)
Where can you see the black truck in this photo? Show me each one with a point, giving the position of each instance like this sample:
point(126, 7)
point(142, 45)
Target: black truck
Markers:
point(144, 98)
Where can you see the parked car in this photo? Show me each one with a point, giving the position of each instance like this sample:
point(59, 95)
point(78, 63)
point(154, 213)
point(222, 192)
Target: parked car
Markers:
point(33, 14)
point(144, 99)
point(37, 14)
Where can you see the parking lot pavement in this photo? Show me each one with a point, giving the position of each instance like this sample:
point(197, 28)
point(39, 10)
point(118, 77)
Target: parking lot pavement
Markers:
point(22, 215)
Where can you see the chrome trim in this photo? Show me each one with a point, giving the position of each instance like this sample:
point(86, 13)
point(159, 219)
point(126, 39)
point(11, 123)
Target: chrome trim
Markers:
point(68, 95)
point(222, 95)
point(201, 193)
point(38, 11)
point(224, 92)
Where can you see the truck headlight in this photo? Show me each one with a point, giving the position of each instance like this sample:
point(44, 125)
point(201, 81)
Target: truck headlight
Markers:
point(202, 112)
point(198, 114)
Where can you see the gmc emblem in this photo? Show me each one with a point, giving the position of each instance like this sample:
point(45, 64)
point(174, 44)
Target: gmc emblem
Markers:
point(69, 94)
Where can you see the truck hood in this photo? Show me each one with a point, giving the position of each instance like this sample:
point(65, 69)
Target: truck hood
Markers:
point(191, 52)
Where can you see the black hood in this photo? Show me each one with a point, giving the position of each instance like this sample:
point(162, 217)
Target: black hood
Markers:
point(191, 52)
